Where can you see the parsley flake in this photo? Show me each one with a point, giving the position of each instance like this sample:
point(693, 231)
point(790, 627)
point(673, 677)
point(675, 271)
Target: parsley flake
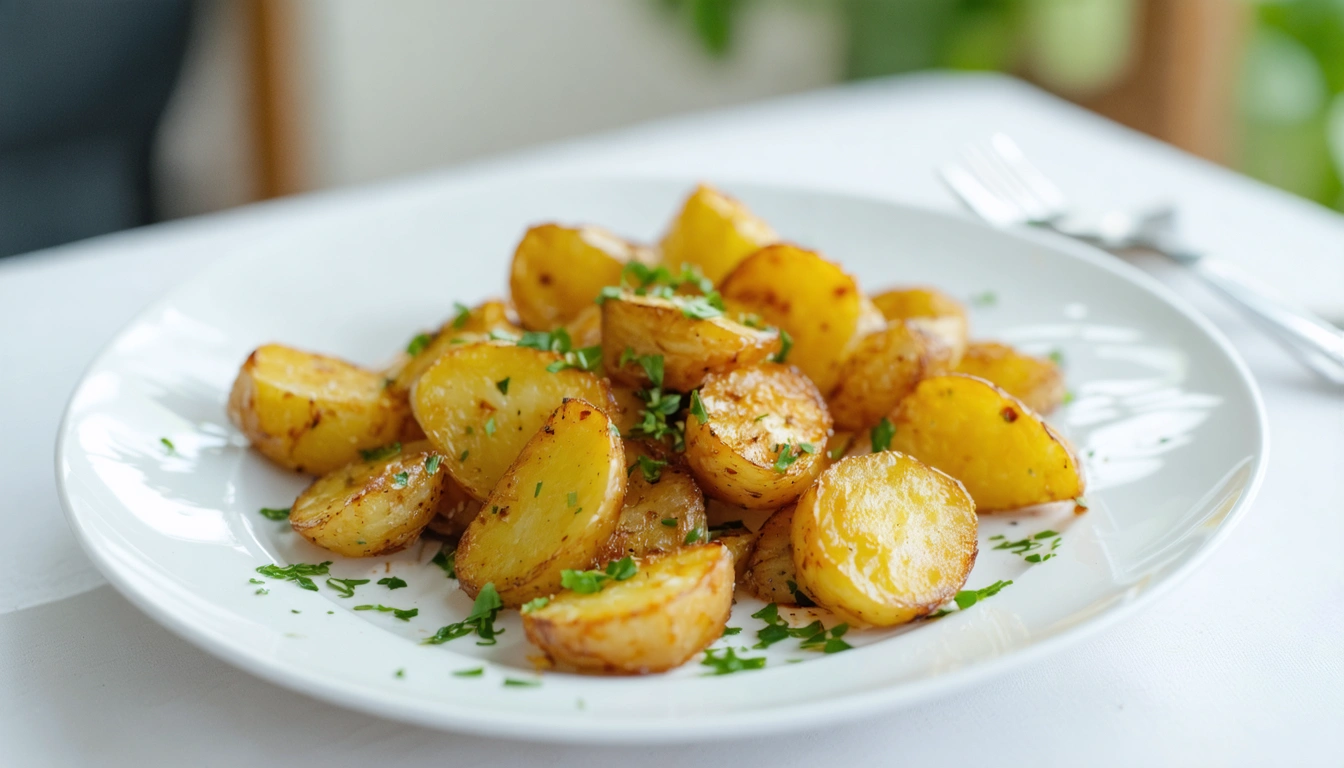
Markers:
point(727, 661)
point(382, 452)
point(785, 346)
point(481, 620)
point(535, 604)
point(473, 672)
point(670, 522)
point(694, 535)
point(513, 682)
point(432, 464)
point(403, 614)
point(298, 573)
point(490, 427)
point(462, 316)
point(537, 492)
point(447, 560)
point(392, 582)
point(168, 445)
point(418, 344)
point(650, 467)
point(588, 582)
point(503, 385)
point(274, 514)
point(345, 586)
point(880, 436)
point(400, 480)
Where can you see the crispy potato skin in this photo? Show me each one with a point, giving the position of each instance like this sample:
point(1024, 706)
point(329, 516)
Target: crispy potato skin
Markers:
point(884, 368)
point(1004, 454)
point(713, 232)
point(882, 539)
point(640, 530)
point(528, 531)
point(558, 271)
point(312, 413)
point(457, 397)
point(930, 310)
point(733, 455)
point(673, 608)
point(476, 325)
point(691, 348)
point(1033, 380)
point(770, 568)
point(809, 297)
point(364, 509)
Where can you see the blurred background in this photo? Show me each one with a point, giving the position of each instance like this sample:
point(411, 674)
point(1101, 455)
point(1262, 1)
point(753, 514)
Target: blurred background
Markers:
point(116, 113)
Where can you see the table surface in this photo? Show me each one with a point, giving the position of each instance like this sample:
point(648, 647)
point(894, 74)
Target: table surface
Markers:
point(1242, 664)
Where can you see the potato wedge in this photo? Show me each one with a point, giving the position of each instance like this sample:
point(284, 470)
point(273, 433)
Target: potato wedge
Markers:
point(1035, 381)
point(673, 608)
point(713, 232)
point(313, 413)
point(770, 574)
point(930, 310)
point(883, 539)
point(884, 368)
point(812, 299)
point(690, 348)
point(457, 509)
point(1004, 454)
point(663, 509)
point(739, 542)
point(755, 415)
point(558, 271)
point(466, 327)
point(373, 507)
point(463, 408)
point(554, 510)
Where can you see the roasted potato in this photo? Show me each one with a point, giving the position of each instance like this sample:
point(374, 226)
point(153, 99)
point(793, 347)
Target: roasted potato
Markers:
point(554, 510)
point(812, 299)
point(691, 348)
point(1004, 454)
point(763, 439)
point(883, 539)
point(739, 542)
point(714, 232)
point(934, 312)
point(457, 509)
point(670, 610)
point(770, 574)
point(659, 514)
point(1033, 380)
point(466, 327)
point(884, 368)
point(558, 271)
point(628, 408)
point(480, 428)
point(313, 413)
point(585, 330)
point(373, 507)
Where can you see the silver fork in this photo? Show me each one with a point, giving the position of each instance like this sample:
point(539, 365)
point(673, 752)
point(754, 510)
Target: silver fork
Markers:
point(997, 182)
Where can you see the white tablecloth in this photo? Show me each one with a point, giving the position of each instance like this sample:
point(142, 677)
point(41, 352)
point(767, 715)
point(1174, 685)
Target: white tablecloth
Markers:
point(1243, 664)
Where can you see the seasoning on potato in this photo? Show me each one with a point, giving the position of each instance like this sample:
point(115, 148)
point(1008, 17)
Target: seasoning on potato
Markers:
point(713, 232)
point(558, 271)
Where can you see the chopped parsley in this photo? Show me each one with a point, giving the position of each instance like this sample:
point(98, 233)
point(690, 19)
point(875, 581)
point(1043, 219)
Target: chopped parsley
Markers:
point(490, 427)
point(1032, 543)
point(1056, 356)
point(432, 464)
point(418, 344)
point(727, 661)
point(503, 385)
point(462, 316)
point(644, 280)
point(651, 468)
point(168, 445)
point(694, 535)
point(880, 435)
point(800, 597)
point(382, 452)
point(698, 407)
point(400, 480)
point(400, 673)
point(559, 342)
point(702, 307)
point(762, 416)
point(788, 454)
point(835, 453)
point(473, 672)
point(1068, 397)
point(255, 581)
point(481, 620)
point(392, 582)
point(535, 604)
point(547, 341)
point(513, 682)
point(653, 424)
point(345, 586)
point(827, 641)
point(968, 597)
point(670, 522)
point(731, 631)
point(986, 299)
point(274, 514)
point(588, 582)
point(585, 359)
point(403, 614)
point(463, 457)
point(298, 573)
point(572, 499)
point(652, 365)
point(815, 636)
point(1081, 501)
point(537, 492)
point(447, 560)
point(785, 346)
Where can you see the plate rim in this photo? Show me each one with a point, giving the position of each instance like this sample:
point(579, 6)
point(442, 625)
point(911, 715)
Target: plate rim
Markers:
point(752, 723)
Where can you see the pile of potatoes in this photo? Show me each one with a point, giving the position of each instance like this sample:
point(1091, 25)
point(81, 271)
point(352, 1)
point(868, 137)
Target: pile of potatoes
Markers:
point(591, 416)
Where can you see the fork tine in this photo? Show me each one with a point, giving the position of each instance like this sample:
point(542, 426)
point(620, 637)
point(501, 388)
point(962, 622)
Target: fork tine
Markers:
point(986, 204)
point(1044, 189)
point(998, 175)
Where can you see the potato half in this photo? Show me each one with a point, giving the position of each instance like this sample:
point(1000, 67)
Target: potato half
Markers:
point(659, 515)
point(1006, 456)
point(313, 413)
point(481, 424)
point(690, 348)
point(555, 509)
point(884, 368)
point(673, 608)
point(930, 310)
point(468, 327)
point(770, 570)
point(755, 414)
point(739, 542)
point(558, 271)
point(714, 232)
point(1033, 380)
point(373, 507)
point(812, 299)
point(585, 330)
point(883, 539)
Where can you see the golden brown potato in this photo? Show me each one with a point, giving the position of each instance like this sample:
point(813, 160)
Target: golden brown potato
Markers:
point(310, 412)
point(932, 310)
point(585, 330)
point(739, 542)
point(883, 539)
point(714, 232)
point(1004, 454)
point(558, 271)
point(1033, 380)
point(884, 368)
point(466, 327)
point(760, 442)
point(770, 573)
point(373, 507)
point(658, 515)
point(554, 510)
point(628, 408)
point(812, 299)
point(457, 509)
point(463, 407)
point(673, 608)
point(690, 348)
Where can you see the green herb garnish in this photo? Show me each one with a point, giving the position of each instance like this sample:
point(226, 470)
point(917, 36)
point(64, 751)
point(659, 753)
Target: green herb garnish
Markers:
point(799, 596)
point(503, 385)
point(473, 672)
point(382, 452)
point(513, 682)
point(727, 661)
point(447, 560)
point(670, 522)
point(694, 535)
point(880, 436)
point(537, 491)
point(432, 464)
point(298, 573)
point(462, 316)
point(403, 614)
point(275, 514)
point(698, 407)
point(588, 582)
point(481, 620)
point(168, 445)
point(652, 468)
point(392, 582)
point(400, 480)
point(418, 344)
point(785, 346)
point(986, 299)
point(345, 586)
point(490, 427)
point(535, 603)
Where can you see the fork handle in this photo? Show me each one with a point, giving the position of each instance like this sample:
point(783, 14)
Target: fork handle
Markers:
point(1312, 339)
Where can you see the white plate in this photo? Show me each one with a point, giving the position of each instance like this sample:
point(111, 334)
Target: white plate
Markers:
point(1166, 415)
